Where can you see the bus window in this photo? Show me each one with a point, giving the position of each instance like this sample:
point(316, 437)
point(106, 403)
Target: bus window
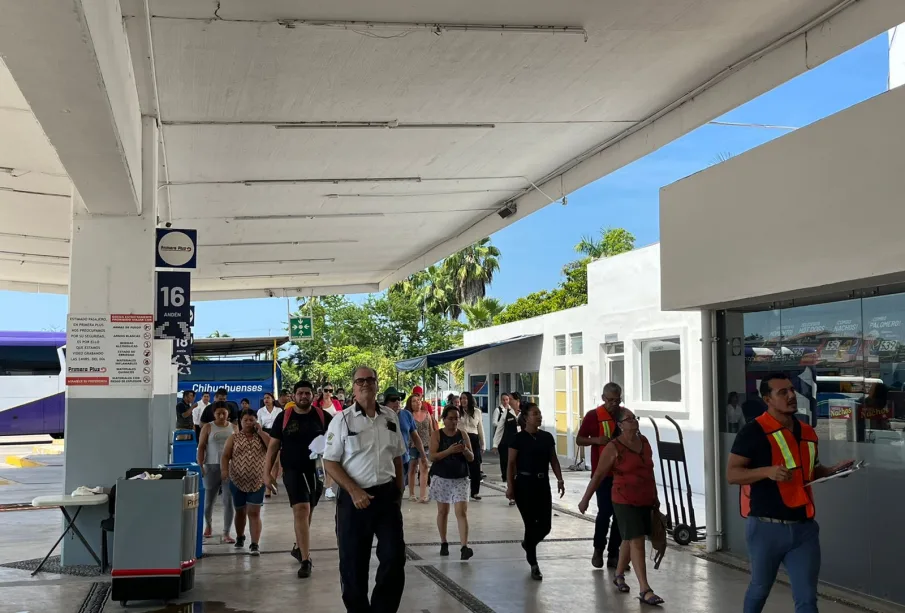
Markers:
point(29, 361)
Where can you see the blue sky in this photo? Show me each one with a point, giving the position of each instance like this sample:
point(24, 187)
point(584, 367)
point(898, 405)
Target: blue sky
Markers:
point(534, 249)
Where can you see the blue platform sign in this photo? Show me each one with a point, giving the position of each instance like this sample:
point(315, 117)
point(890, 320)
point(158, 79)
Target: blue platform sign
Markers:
point(172, 312)
point(176, 248)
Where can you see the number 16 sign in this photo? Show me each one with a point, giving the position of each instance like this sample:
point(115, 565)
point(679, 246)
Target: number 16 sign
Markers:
point(172, 314)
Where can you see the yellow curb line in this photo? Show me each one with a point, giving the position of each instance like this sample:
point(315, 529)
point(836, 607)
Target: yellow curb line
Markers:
point(47, 450)
point(4, 482)
point(20, 462)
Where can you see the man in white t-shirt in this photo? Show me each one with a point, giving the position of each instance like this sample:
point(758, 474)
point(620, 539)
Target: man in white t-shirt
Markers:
point(198, 410)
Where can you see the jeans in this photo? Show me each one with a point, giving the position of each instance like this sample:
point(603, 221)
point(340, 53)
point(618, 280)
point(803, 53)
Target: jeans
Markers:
point(602, 523)
point(797, 547)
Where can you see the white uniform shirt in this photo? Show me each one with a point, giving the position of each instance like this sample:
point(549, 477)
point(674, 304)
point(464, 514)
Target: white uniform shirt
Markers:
point(266, 418)
point(366, 447)
point(197, 411)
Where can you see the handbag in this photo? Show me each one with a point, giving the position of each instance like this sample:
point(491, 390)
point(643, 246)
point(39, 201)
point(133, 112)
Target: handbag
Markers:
point(658, 535)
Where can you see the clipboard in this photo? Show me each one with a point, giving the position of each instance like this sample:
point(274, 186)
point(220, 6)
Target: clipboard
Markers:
point(842, 473)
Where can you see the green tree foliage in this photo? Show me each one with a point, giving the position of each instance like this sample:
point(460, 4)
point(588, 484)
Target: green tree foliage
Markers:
point(573, 289)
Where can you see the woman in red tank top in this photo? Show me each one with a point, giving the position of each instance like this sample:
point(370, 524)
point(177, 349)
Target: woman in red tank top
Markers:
point(630, 459)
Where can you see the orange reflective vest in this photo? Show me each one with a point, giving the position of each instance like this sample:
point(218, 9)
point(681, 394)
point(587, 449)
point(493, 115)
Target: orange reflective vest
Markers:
point(798, 457)
point(607, 423)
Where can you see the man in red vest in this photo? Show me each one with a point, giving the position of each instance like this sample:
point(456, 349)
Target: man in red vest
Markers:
point(774, 458)
point(597, 428)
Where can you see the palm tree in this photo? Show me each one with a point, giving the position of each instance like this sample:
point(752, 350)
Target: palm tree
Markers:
point(482, 313)
point(612, 241)
point(471, 270)
point(218, 334)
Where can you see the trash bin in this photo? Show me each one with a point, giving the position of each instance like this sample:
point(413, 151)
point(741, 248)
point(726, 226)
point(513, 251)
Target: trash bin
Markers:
point(185, 447)
point(153, 548)
point(198, 541)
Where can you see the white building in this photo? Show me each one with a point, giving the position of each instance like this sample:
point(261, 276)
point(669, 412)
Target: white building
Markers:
point(620, 335)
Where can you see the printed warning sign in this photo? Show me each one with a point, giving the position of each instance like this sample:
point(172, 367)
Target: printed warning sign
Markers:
point(109, 349)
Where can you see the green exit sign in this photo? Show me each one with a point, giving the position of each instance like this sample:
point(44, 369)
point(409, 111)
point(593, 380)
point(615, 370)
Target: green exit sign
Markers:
point(301, 328)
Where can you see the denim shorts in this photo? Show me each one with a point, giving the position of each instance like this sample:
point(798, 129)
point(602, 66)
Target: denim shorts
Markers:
point(240, 498)
point(415, 455)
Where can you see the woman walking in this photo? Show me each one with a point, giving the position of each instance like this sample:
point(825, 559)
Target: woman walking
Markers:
point(244, 460)
point(210, 450)
point(266, 416)
point(471, 421)
point(425, 426)
point(451, 453)
point(630, 459)
point(331, 406)
point(531, 455)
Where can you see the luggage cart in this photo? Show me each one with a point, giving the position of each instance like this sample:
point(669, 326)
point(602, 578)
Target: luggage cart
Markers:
point(672, 456)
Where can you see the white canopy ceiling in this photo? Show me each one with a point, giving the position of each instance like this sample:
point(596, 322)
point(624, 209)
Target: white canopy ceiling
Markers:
point(314, 154)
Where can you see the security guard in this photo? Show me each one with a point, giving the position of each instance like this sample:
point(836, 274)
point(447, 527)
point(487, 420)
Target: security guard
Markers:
point(774, 459)
point(364, 456)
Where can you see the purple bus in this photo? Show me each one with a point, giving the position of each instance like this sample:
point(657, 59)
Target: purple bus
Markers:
point(32, 383)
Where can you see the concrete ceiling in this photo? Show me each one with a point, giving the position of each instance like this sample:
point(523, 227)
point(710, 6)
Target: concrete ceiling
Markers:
point(439, 129)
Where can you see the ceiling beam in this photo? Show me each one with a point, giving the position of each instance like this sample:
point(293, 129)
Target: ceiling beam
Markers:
point(71, 60)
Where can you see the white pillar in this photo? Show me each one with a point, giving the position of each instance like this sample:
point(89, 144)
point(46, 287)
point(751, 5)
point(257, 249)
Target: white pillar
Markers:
point(108, 428)
point(896, 56)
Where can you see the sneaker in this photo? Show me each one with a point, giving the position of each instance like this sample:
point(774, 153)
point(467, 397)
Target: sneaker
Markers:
point(511, 503)
point(240, 542)
point(535, 573)
point(597, 558)
point(467, 552)
point(475, 497)
point(305, 569)
point(254, 550)
point(329, 494)
point(444, 549)
point(296, 553)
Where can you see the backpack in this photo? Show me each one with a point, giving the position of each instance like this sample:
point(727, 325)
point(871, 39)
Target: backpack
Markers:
point(287, 413)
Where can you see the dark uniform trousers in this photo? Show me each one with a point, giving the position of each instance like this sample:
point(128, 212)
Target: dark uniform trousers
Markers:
point(602, 523)
point(355, 532)
point(535, 504)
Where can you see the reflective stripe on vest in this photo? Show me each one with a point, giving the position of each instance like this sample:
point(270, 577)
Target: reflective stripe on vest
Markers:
point(607, 423)
point(787, 456)
point(812, 453)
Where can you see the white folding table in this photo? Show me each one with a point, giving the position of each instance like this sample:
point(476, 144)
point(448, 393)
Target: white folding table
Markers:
point(63, 502)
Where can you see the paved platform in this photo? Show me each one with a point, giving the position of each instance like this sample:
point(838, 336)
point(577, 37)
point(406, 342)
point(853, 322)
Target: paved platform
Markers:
point(496, 579)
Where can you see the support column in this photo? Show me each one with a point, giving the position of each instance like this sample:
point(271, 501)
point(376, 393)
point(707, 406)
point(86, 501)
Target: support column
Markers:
point(163, 413)
point(108, 428)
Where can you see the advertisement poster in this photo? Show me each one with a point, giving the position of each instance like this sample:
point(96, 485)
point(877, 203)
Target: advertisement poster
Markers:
point(109, 349)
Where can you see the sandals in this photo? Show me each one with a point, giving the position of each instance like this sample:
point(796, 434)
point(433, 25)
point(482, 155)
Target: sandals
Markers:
point(227, 540)
point(621, 585)
point(652, 599)
point(425, 500)
point(413, 498)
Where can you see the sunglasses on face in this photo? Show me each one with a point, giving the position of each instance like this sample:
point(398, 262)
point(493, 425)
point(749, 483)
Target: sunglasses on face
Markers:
point(328, 391)
point(366, 381)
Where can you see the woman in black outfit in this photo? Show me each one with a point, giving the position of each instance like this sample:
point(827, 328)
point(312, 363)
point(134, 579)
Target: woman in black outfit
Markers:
point(531, 454)
point(471, 422)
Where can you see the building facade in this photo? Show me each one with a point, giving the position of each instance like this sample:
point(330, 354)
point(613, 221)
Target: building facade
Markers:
point(621, 335)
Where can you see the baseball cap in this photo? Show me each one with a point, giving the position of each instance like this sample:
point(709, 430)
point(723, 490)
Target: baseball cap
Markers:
point(417, 391)
point(392, 392)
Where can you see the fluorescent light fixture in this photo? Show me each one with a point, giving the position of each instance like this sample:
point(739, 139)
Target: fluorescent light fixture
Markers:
point(383, 125)
point(314, 216)
point(336, 181)
point(368, 27)
point(287, 275)
point(280, 243)
point(18, 254)
point(279, 261)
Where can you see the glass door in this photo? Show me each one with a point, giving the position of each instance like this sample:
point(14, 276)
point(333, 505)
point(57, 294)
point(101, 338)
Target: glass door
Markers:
point(561, 410)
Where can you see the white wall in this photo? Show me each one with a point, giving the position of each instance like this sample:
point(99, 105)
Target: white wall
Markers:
point(817, 210)
point(896, 56)
point(623, 299)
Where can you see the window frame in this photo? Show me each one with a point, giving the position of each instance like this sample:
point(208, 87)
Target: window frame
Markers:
point(565, 348)
point(634, 357)
point(571, 348)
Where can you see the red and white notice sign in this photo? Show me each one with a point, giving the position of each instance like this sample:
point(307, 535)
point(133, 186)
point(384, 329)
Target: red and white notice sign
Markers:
point(109, 349)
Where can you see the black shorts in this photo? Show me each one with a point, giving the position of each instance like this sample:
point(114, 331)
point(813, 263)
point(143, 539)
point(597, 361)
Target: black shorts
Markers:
point(302, 487)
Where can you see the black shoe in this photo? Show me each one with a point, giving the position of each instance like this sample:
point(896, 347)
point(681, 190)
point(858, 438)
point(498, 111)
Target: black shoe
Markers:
point(535, 573)
point(511, 503)
point(240, 542)
point(597, 558)
point(467, 552)
point(254, 550)
point(305, 569)
point(296, 553)
point(444, 549)
point(475, 497)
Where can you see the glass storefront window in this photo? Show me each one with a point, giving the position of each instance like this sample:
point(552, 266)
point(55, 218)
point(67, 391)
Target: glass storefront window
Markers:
point(661, 370)
point(527, 384)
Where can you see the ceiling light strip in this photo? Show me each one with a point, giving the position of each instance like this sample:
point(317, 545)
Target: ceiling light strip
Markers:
point(334, 125)
point(34, 193)
point(250, 182)
point(287, 276)
point(304, 260)
point(362, 27)
point(281, 243)
point(20, 254)
point(313, 216)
